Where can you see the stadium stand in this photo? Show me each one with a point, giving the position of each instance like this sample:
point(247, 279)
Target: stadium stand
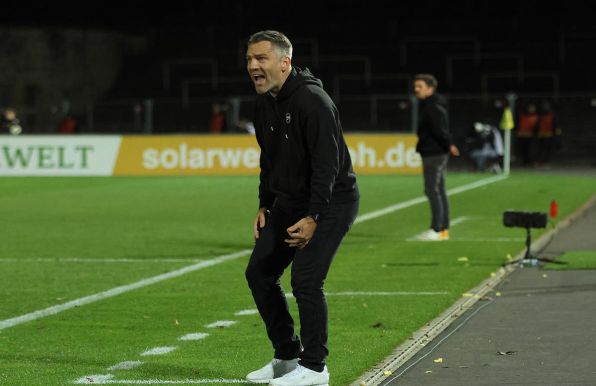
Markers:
point(366, 59)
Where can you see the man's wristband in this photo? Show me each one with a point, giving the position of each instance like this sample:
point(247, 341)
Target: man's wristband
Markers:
point(315, 217)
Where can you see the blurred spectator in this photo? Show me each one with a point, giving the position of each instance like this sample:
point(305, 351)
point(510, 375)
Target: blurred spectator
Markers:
point(486, 148)
point(218, 119)
point(548, 132)
point(526, 127)
point(68, 125)
point(10, 123)
point(246, 126)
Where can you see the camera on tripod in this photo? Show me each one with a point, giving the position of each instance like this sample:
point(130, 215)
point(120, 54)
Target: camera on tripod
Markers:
point(528, 220)
point(523, 219)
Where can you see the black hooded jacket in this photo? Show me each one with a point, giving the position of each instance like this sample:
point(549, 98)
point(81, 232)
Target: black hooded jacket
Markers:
point(433, 126)
point(304, 159)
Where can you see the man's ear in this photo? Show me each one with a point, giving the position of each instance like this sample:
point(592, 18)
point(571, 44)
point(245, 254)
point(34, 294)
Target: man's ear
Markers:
point(285, 63)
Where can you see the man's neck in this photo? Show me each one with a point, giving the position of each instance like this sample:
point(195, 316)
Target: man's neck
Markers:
point(285, 77)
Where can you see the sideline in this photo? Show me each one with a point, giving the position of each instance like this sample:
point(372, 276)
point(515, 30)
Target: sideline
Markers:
point(4, 324)
point(380, 373)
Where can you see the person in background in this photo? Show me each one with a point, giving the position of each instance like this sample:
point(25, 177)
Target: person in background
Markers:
point(10, 123)
point(488, 153)
point(218, 119)
point(434, 145)
point(246, 126)
point(68, 125)
point(526, 128)
point(548, 132)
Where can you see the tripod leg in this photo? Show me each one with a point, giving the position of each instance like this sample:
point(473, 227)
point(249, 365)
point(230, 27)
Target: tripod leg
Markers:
point(528, 244)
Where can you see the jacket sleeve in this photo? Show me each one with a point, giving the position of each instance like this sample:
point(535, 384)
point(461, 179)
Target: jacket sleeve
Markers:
point(440, 127)
point(266, 197)
point(322, 134)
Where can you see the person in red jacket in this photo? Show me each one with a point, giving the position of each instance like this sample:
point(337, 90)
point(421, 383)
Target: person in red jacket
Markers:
point(218, 119)
point(68, 125)
point(526, 129)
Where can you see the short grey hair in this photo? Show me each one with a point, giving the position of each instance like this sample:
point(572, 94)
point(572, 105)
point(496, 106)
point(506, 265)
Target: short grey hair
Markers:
point(276, 38)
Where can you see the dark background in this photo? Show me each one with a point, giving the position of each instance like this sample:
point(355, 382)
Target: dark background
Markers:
point(555, 43)
point(509, 17)
point(503, 20)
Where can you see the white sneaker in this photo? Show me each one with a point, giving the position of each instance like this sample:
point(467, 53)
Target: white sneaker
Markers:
point(274, 369)
point(430, 235)
point(303, 376)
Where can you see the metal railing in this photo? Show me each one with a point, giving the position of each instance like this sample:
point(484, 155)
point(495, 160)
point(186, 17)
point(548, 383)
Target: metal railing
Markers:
point(359, 113)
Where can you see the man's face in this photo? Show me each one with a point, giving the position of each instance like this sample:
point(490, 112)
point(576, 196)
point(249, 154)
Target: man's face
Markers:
point(267, 69)
point(422, 90)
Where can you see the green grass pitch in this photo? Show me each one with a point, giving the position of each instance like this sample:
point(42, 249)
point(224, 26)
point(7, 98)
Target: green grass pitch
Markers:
point(66, 238)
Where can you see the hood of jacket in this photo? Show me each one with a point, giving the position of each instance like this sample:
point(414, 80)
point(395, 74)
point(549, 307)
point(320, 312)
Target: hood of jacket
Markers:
point(297, 78)
point(435, 100)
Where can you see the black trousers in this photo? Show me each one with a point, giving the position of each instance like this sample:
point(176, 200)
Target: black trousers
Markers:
point(271, 256)
point(434, 168)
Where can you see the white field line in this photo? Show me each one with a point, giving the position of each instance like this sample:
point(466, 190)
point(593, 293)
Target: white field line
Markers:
point(159, 350)
point(127, 365)
point(119, 290)
point(194, 336)
point(218, 260)
point(452, 223)
point(97, 379)
point(81, 260)
point(221, 324)
point(489, 239)
point(394, 293)
point(252, 311)
point(459, 220)
point(418, 200)
point(107, 380)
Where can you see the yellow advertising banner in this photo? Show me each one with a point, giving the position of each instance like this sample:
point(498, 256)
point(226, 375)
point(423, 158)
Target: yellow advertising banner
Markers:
point(239, 155)
point(384, 153)
point(188, 155)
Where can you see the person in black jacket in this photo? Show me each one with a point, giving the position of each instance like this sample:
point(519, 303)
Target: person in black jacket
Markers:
point(434, 145)
point(308, 200)
point(9, 123)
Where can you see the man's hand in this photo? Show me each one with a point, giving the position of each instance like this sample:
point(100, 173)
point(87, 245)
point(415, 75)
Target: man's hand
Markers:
point(260, 221)
point(454, 150)
point(301, 232)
